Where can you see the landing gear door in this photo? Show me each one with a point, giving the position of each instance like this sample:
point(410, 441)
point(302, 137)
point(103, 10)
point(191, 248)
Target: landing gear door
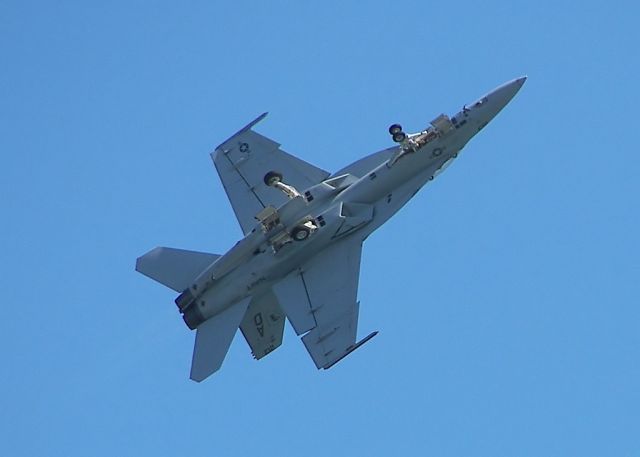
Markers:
point(442, 124)
point(268, 218)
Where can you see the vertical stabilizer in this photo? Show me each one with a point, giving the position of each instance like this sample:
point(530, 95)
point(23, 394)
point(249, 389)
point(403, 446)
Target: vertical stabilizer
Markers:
point(213, 338)
point(263, 324)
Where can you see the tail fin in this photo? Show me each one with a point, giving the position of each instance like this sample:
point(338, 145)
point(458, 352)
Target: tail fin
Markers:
point(213, 339)
point(175, 268)
point(263, 324)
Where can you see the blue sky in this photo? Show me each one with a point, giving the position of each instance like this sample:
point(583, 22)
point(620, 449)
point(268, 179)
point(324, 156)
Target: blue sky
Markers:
point(506, 293)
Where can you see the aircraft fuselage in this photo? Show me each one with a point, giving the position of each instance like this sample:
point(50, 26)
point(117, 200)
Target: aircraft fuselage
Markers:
point(339, 207)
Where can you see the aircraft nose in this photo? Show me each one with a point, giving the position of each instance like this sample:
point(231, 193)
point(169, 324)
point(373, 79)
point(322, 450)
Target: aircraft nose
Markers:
point(497, 99)
point(507, 91)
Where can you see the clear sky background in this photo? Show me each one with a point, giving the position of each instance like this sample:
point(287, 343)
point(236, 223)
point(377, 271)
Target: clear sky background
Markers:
point(506, 292)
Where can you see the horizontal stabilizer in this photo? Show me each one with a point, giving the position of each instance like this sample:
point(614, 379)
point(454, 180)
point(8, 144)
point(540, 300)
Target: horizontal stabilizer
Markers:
point(213, 339)
point(175, 268)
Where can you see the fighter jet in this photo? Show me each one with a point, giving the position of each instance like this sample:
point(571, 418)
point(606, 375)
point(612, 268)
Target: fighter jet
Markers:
point(303, 230)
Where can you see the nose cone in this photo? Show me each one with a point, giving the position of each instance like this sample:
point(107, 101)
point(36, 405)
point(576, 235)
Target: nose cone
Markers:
point(503, 94)
point(492, 103)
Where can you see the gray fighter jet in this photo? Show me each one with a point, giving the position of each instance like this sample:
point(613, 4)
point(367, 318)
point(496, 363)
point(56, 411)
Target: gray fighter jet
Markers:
point(303, 233)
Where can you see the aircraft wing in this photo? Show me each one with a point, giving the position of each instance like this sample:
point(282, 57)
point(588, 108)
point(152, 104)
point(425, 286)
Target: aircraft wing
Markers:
point(319, 299)
point(242, 162)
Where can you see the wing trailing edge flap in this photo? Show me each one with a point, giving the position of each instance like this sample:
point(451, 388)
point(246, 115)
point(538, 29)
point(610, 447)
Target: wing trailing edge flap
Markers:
point(213, 339)
point(263, 325)
point(293, 298)
point(243, 160)
point(319, 299)
point(331, 341)
point(175, 268)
